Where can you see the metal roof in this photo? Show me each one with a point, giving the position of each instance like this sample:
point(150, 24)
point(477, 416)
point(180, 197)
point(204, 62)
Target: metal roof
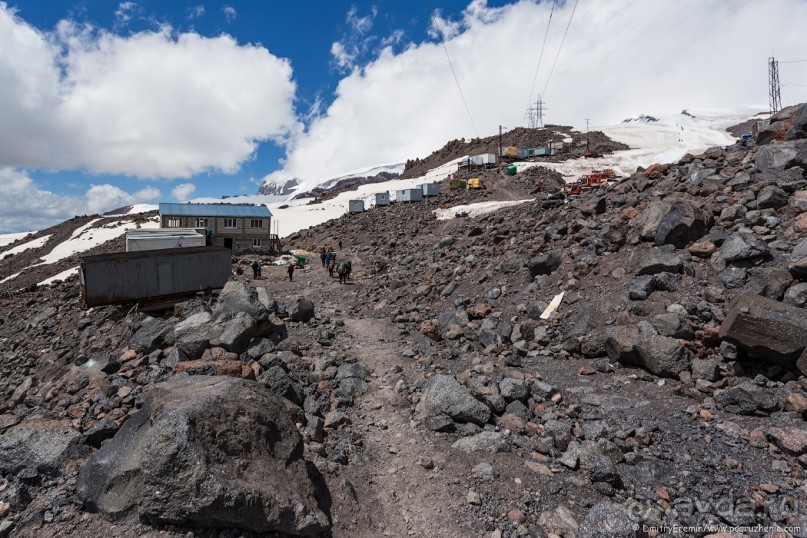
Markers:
point(214, 210)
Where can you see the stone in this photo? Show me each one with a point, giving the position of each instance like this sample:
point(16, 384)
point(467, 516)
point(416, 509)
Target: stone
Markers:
point(100, 431)
point(801, 363)
point(485, 441)
point(45, 445)
point(445, 396)
point(658, 260)
point(774, 156)
point(193, 334)
point(545, 264)
point(440, 423)
point(351, 378)
point(743, 246)
point(733, 277)
point(558, 522)
point(430, 329)
point(446, 242)
point(797, 295)
point(766, 329)
point(237, 332)
point(641, 345)
point(280, 383)
point(151, 334)
point(799, 128)
point(609, 520)
point(773, 197)
point(793, 441)
point(703, 248)
point(171, 463)
point(301, 310)
point(748, 398)
point(514, 389)
point(707, 369)
point(640, 288)
point(682, 225)
point(776, 283)
point(239, 296)
point(798, 200)
point(452, 316)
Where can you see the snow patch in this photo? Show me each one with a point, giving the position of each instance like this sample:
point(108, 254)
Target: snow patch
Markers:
point(7, 239)
point(34, 243)
point(477, 209)
point(61, 276)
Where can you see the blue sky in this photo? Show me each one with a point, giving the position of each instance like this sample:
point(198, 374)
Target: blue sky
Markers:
point(107, 103)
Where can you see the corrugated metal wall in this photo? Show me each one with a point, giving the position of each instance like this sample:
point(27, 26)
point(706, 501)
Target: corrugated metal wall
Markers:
point(134, 276)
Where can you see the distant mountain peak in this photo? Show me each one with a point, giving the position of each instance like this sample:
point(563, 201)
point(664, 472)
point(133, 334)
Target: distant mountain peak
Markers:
point(279, 189)
point(641, 118)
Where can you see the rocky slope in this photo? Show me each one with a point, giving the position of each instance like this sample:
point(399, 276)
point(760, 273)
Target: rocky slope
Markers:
point(428, 396)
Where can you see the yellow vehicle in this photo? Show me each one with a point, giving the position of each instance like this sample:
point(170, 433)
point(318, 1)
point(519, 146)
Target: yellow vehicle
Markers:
point(475, 183)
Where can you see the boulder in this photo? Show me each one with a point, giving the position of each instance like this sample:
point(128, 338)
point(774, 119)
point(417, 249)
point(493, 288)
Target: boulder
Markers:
point(609, 520)
point(280, 383)
point(797, 296)
point(545, 264)
point(743, 245)
point(351, 378)
point(301, 310)
point(766, 329)
point(649, 220)
point(174, 462)
point(42, 444)
point(237, 332)
point(453, 316)
point(682, 225)
point(748, 398)
point(658, 260)
point(799, 128)
point(514, 389)
point(772, 197)
point(491, 442)
point(152, 334)
point(242, 297)
point(774, 156)
point(192, 335)
point(445, 396)
point(641, 345)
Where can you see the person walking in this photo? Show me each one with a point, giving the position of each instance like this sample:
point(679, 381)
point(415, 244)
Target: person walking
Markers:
point(340, 244)
point(291, 272)
point(256, 269)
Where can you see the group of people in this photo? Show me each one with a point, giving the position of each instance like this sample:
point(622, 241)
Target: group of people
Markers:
point(328, 257)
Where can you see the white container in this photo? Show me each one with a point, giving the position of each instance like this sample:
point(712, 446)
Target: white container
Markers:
point(355, 206)
point(162, 238)
point(409, 195)
point(382, 198)
point(430, 189)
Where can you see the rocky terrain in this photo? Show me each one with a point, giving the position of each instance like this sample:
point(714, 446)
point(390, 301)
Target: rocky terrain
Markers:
point(431, 395)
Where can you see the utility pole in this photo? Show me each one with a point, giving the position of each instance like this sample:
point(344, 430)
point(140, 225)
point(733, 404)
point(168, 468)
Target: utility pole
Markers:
point(500, 141)
point(774, 96)
point(587, 120)
point(539, 107)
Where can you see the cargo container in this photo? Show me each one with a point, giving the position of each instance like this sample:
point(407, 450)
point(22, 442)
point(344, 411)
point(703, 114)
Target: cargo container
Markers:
point(355, 206)
point(382, 198)
point(152, 275)
point(539, 152)
point(409, 195)
point(162, 238)
point(430, 189)
point(512, 151)
point(475, 183)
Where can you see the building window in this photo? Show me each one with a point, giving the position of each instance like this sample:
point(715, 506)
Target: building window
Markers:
point(229, 223)
point(201, 223)
point(256, 242)
point(256, 223)
point(174, 222)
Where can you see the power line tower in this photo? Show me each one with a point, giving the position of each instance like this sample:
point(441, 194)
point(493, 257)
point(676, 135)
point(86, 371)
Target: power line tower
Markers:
point(535, 114)
point(774, 96)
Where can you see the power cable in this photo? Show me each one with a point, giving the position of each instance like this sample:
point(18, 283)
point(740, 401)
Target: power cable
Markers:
point(540, 56)
point(793, 62)
point(560, 48)
point(451, 65)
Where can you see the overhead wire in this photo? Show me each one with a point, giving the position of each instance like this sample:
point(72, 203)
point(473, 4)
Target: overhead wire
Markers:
point(549, 77)
point(541, 55)
point(792, 62)
point(454, 73)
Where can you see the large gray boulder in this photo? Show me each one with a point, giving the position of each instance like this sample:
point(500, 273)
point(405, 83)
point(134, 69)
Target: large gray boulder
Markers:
point(749, 399)
point(445, 396)
point(209, 452)
point(241, 297)
point(772, 197)
point(799, 128)
point(42, 444)
point(237, 332)
point(151, 334)
point(775, 155)
point(682, 225)
point(650, 218)
point(658, 260)
point(301, 310)
point(743, 245)
point(641, 345)
point(609, 520)
point(766, 329)
point(192, 336)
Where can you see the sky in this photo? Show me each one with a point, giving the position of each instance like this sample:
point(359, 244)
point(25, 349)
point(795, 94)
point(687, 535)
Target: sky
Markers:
point(105, 104)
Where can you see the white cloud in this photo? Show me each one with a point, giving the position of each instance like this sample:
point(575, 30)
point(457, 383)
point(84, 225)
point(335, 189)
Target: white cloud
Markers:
point(620, 58)
point(150, 104)
point(356, 42)
point(124, 12)
point(24, 205)
point(229, 13)
point(183, 191)
point(341, 56)
point(195, 12)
